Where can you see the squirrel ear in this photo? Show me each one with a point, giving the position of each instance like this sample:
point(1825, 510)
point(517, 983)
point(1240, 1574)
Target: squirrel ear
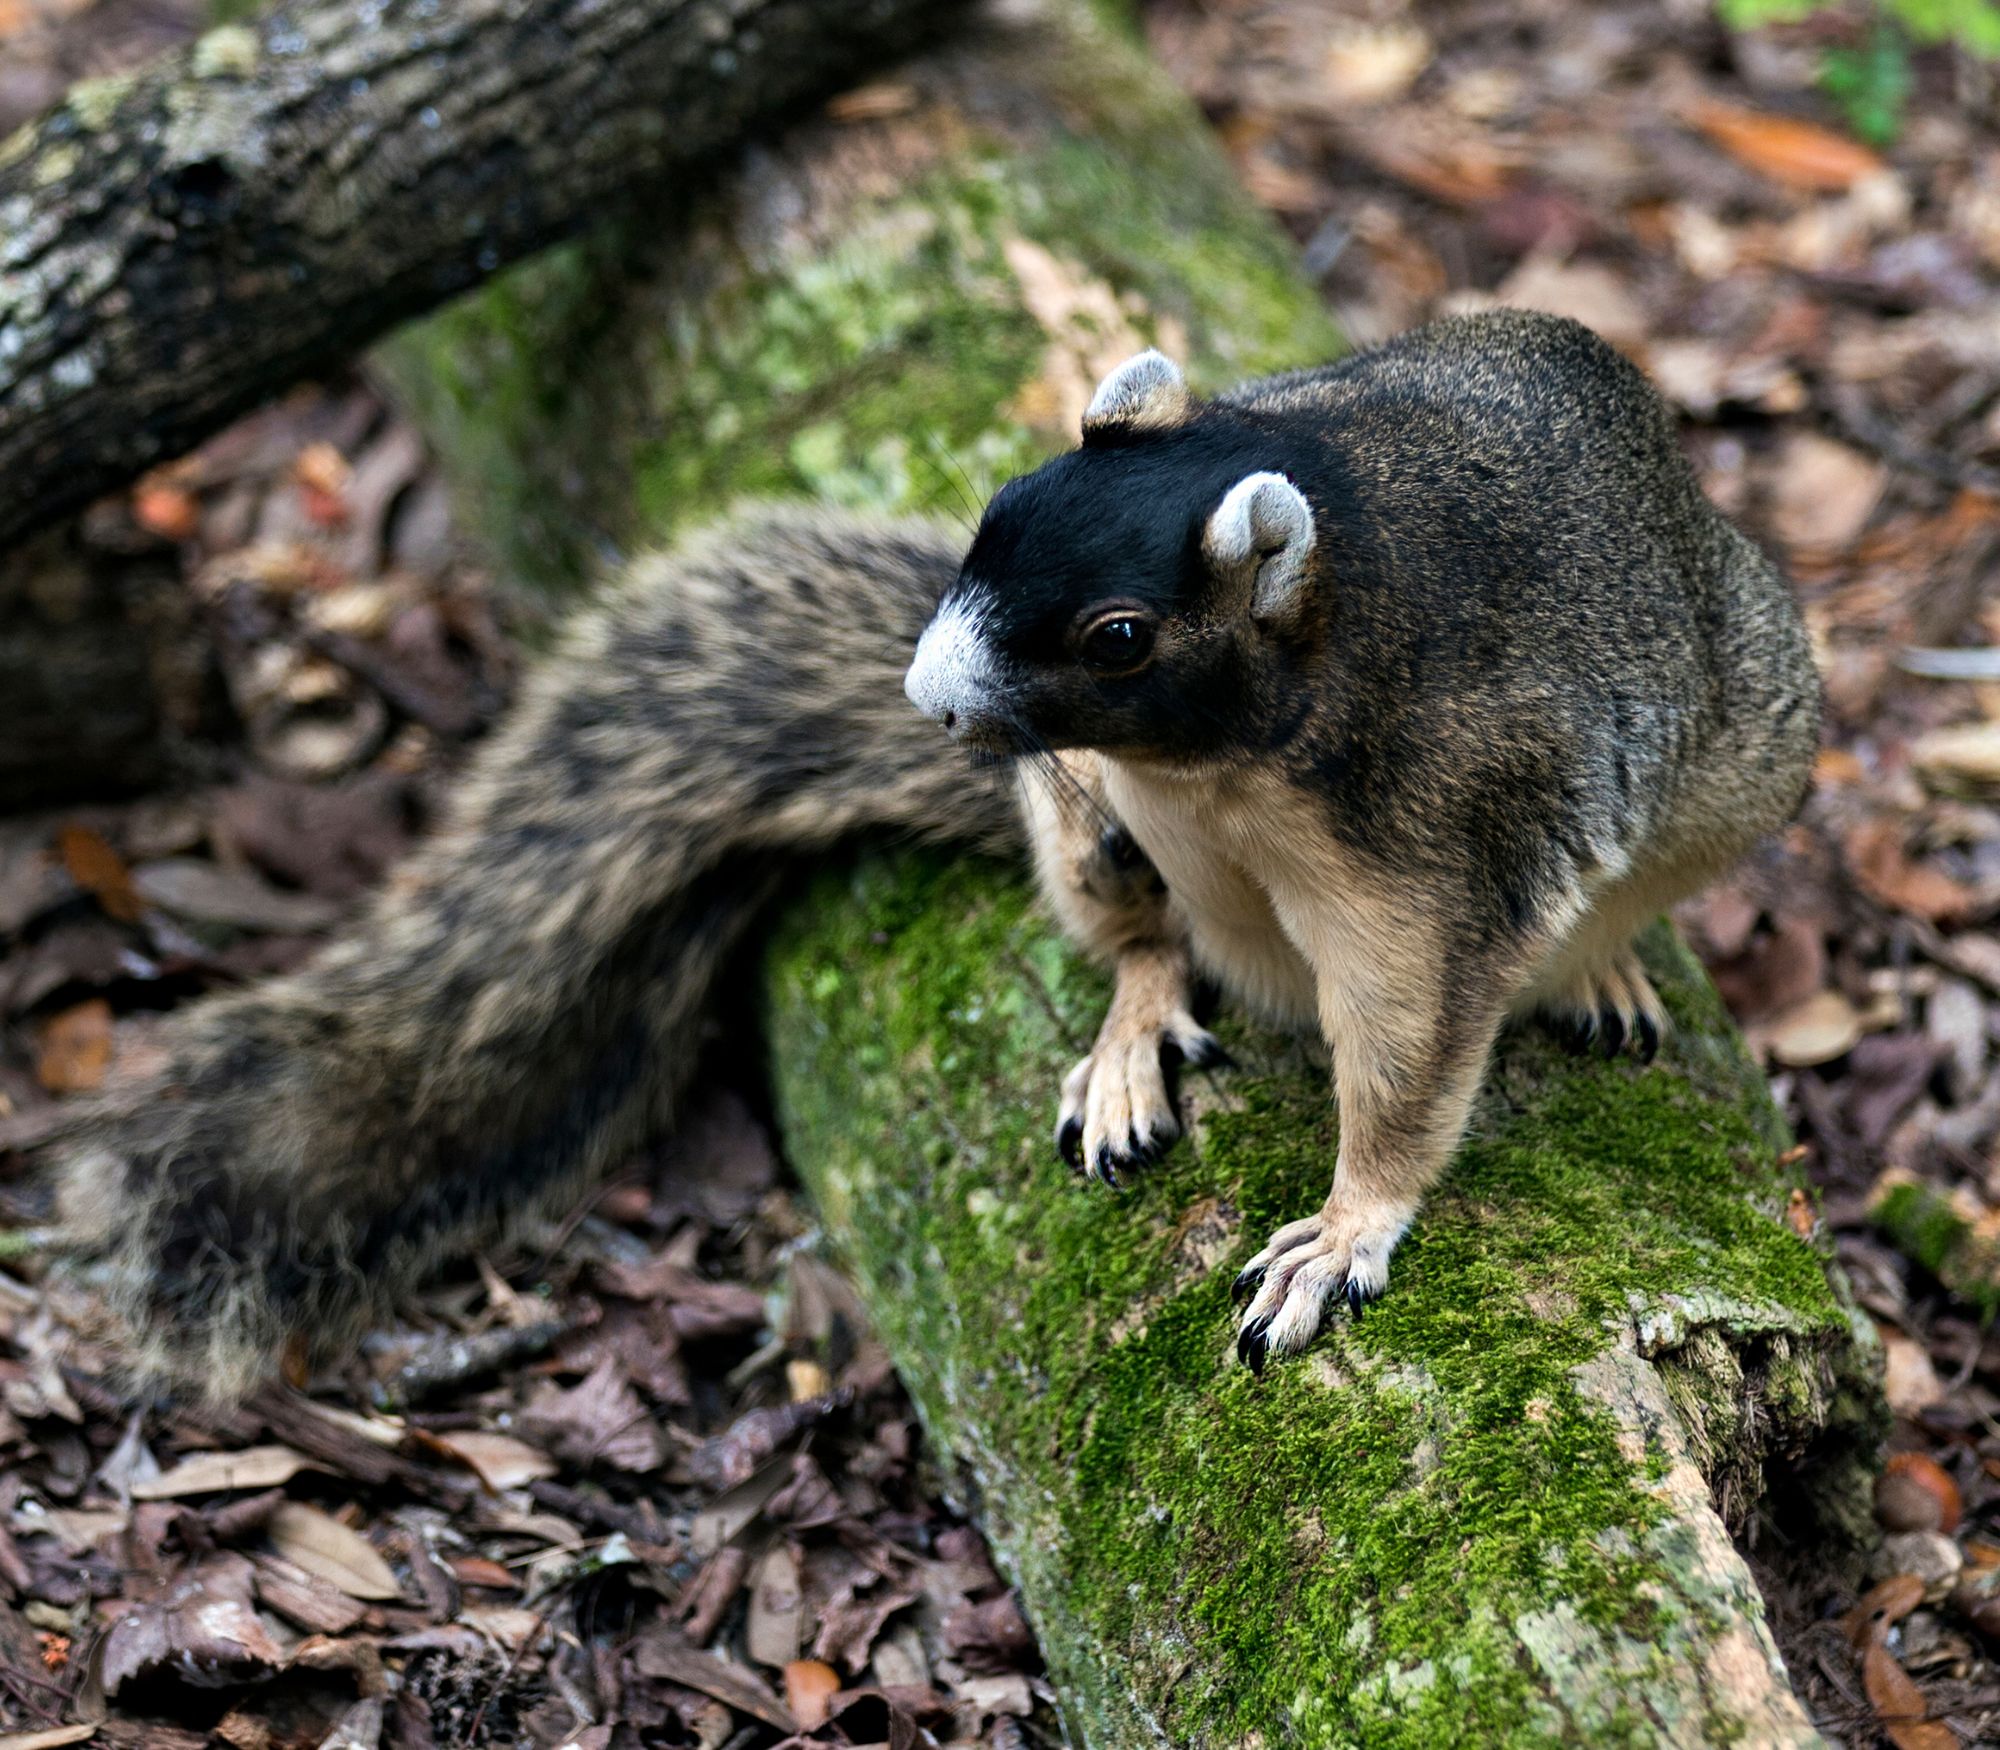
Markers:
point(1145, 393)
point(1263, 532)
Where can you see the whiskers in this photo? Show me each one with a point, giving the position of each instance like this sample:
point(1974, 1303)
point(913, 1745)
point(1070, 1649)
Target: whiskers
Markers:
point(957, 480)
point(1072, 798)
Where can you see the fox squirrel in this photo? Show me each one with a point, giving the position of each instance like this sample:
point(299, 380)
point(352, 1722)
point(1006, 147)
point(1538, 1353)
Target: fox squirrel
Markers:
point(1395, 696)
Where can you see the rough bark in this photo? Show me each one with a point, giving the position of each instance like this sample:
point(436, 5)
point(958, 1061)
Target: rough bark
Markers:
point(1499, 1511)
point(179, 244)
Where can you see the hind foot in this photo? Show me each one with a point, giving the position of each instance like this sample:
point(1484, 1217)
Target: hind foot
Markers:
point(1611, 1008)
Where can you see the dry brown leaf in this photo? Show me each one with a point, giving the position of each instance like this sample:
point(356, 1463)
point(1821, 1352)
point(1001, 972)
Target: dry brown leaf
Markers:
point(599, 1421)
point(208, 893)
point(867, 103)
point(208, 1473)
point(481, 1571)
point(810, 1686)
point(1799, 1216)
point(53, 1739)
point(1909, 1381)
point(75, 1048)
point(1881, 1607)
point(1881, 865)
point(95, 867)
point(1587, 291)
point(1969, 753)
point(1375, 65)
point(1822, 492)
point(204, 1631)
point(164, 509)
point(506, 1625)
point(323, 473)
point(663, 1652)
point(1899, 1704)
point(499, 1460)
point(776, 1616)
point(1799, 154)
point(320, 1544)
point(1823, 1027)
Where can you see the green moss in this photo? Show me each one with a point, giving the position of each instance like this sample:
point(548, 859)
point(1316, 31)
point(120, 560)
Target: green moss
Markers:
point(1367, 1546)
point(1926, 1229)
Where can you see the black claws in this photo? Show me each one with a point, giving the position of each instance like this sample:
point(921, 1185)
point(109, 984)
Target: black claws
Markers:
point(1252, 1344)
point(1575, 1032)
point(1607, 1033)
point(1202, 1051)
point(1206, 1052)
point(1069, 1143)
point(1610, 1033)
point(1139, 1151)
point(1107, 1167)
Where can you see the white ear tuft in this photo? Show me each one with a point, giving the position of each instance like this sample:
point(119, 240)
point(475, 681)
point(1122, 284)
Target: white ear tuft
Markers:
point(1146, 393)
point(1263, 532)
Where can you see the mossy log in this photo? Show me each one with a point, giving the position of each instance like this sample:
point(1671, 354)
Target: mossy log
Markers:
point(1497, 1512)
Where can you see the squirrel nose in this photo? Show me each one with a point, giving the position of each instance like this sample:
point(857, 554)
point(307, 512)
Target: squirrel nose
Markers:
point(953, 677)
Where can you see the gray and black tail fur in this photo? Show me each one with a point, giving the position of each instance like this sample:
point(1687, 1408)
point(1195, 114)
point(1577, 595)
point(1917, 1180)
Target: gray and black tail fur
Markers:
point(527, 998)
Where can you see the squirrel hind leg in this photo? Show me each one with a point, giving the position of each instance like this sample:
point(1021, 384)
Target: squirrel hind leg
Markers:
point(1607, 1005)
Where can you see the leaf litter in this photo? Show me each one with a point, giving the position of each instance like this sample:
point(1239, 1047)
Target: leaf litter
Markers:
point(653, 1483)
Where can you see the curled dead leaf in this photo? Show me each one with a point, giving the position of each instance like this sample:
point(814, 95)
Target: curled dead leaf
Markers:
point(75, 1048)
point(1879, 859)
point(1368, 65)
point(99, 870)
point(498, 1460)
point(810, 1686)
point(1823, 1027)
point(335, 1553)
point(1799, 154)
point(1909, 1381)
point(1968, 755)
point(1900, 1708)
point(208, 1473)
point(204, 1632)
point(1881, 1607)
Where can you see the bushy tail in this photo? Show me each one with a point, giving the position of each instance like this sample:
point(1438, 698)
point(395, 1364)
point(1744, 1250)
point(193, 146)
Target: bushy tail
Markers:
point(524, 1001)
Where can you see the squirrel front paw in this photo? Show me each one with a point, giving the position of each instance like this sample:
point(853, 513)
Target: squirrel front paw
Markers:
point(1308, 1269)
point(1117, 1110)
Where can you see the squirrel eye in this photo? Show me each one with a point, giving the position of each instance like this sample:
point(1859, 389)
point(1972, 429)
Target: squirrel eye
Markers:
point(1117, 642)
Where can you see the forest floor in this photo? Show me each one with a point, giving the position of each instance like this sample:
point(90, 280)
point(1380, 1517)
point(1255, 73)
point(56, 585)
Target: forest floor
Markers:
point(650, 1481)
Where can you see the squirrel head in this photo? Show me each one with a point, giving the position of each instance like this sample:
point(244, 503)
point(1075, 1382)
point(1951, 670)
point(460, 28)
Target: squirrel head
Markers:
point(1135, 595)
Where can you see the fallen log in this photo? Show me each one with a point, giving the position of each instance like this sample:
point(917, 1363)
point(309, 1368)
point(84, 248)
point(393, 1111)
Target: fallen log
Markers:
point(180, 243)
point(1497, 1512)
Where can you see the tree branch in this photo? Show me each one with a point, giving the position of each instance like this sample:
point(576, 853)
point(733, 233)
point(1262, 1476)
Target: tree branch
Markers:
point(178, 244)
